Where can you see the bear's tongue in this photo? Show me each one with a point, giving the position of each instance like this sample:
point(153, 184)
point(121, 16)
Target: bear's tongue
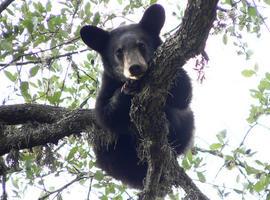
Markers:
point(130, 87)
point(124, 87)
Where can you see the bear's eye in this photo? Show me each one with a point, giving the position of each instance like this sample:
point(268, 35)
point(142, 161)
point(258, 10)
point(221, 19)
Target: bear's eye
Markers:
point(119, 53)
point(141, 46)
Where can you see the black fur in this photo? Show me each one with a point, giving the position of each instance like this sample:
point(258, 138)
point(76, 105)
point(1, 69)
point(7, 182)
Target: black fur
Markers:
point(113, 103)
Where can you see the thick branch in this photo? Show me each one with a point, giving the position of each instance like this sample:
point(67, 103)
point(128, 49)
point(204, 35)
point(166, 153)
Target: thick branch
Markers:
point(185, 182)
point(56, 124)
point(147, 113)
point(187, 42)
point(23, 113)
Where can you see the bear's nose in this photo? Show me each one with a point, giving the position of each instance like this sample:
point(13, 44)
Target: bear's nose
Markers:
point(136, 70)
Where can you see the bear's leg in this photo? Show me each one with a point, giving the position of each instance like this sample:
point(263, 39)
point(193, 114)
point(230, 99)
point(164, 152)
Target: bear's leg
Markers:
point(120, 161)
point(181, 125)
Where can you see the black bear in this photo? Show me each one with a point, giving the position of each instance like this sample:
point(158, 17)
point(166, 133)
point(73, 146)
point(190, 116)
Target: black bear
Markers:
point(126, 52)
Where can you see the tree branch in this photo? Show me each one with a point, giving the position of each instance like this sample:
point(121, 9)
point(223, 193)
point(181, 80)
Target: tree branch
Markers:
point(48, 60)
point(4, 5)
point(52, 124)
point(23, 113)
point(59, 190)
point(187, 42)
point(185, 182)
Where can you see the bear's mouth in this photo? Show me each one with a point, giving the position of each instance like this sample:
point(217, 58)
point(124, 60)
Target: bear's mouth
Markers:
point(134, 75)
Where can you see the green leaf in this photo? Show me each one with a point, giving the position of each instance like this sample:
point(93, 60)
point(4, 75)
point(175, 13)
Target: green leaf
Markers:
point(238, 178)
point(49, 6)
point(34, 71)
point(264, 85)
point(248, 73)
point(15, 182)
point(96, 18)
point(201, 177)
point(251, 170)
point(267, 2)
point(6, 45)
point(55, 98)
point(259, 162)
point(38, 6)
point(99, 175)
point(72, 153)
point(104, 197)
point(238, 191)
point(10, 76)
point(197, 162)
point(228, 2)
point(215, 146)
point(261, 184)
point(110, 189)
point(87, 9)
point(267, 75)
point(9, 11)
point(185, 164)
point(225, 39)
point(153, 1)
point(229, 158)
point(221, 136)
point(252, 11)
point(189, 156)
point(28, 24)
point(24, 87)
point(70, 48)
point(249, 53)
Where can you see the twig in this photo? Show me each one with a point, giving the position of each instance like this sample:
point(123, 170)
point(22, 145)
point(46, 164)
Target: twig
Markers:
point(247, 133)
point(4, 192)
point(64, 80)
point(260, 16)
point(220, 155)
point(47, 60)
point(59, 190)
point(35, 53)
point(90, 188)
point(218, 186)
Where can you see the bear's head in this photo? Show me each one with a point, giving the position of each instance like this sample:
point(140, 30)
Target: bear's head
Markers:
point(126, 50)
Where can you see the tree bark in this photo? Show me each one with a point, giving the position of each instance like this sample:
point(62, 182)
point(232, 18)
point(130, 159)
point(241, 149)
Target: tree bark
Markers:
point(44, 124)
point(147, 113)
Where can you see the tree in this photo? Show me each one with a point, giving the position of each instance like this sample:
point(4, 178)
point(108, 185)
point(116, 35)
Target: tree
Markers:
point(39, 51)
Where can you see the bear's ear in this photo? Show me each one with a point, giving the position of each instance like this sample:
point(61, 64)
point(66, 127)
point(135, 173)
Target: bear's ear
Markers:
point(153, 19)
point(96, 38)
